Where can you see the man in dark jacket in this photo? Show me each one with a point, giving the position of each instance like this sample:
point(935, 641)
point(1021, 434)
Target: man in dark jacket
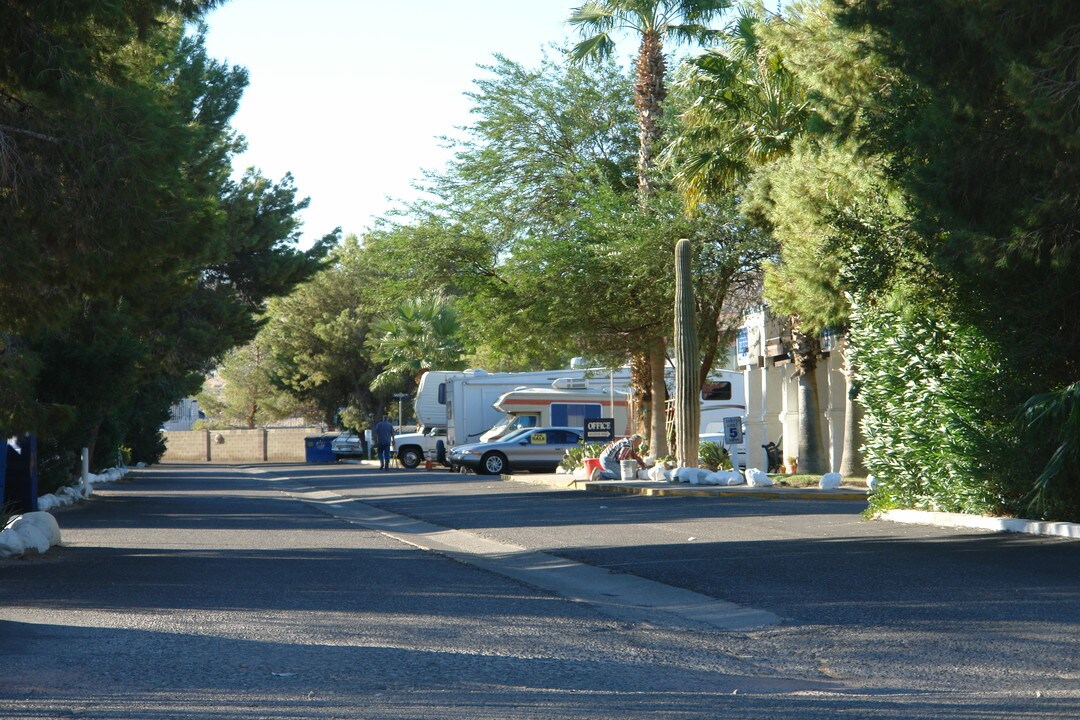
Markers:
point(384, 438)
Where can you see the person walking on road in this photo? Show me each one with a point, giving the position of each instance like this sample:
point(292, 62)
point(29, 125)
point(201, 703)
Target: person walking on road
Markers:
point(384, 438)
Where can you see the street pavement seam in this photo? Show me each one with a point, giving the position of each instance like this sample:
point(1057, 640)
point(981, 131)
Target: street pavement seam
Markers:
point(623, 596)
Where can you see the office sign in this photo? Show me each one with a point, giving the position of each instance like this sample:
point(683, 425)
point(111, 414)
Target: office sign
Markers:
point(599, 430)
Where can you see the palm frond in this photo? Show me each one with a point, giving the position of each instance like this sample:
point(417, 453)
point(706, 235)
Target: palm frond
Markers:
point(597, 47)
point(1054, 417)
point(594, 14)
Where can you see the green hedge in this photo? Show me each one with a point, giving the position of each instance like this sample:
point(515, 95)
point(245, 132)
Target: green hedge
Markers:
point(936, 421)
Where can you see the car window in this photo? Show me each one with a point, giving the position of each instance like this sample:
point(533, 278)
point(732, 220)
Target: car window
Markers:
point(554, 436)
point(515, 435)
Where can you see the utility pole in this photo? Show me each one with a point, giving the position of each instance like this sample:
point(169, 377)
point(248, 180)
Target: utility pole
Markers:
point(400, 419)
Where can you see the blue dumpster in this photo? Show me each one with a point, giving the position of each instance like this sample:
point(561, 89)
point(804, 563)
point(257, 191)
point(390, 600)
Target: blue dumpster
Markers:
point(319, 450)
point(21, 476)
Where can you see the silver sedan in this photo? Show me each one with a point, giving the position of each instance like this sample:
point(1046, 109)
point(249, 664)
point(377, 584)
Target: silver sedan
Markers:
point(540, 448)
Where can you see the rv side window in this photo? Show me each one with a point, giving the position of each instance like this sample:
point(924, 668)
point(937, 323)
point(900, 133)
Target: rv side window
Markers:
point(573, 414)
point(442, 393)
point(716, 391)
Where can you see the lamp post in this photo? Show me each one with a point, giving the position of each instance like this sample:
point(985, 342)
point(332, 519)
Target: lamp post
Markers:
point(400, 419)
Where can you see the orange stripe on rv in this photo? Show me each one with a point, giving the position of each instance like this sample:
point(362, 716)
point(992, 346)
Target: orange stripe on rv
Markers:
point(605, 403)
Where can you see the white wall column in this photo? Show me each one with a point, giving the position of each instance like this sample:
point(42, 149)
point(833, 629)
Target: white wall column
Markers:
point(754, 382)
point(833, 381)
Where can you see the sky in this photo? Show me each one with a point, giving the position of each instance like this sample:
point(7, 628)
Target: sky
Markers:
point(351, 96)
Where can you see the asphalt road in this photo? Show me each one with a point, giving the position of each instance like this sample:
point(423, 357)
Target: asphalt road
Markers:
point(194, 592)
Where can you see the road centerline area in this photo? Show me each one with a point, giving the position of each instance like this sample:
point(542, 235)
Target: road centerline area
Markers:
point(622, 596)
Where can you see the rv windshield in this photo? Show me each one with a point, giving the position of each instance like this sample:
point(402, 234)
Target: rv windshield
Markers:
point(511, 423)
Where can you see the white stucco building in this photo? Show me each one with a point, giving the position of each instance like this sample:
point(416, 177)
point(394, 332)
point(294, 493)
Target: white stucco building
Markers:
point(772, 401)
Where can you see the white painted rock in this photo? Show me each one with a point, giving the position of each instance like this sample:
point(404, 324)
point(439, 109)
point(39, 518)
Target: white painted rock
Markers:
point(757, 478)
point(657, 473)
point(690, 475)
point(729, 477)
point(32, 536)
point(38, 530)
point(830, 481)
point(11, 543)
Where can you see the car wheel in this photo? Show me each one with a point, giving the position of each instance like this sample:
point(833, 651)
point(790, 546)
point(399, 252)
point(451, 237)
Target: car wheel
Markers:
point(493, 463)
point(410, 457)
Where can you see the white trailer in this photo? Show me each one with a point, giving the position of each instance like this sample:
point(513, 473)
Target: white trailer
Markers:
point(430, 405)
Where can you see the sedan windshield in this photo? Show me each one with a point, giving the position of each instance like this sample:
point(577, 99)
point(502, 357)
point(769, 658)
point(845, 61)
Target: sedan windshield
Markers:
point(515, 434)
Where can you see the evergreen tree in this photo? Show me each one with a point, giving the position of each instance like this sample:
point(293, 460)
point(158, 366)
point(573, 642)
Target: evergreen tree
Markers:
point(132, 261)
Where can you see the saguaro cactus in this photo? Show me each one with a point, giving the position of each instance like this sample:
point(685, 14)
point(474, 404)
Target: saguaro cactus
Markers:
point(687, 385)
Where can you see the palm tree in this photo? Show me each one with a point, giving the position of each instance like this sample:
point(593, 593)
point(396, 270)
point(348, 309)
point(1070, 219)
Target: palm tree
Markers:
point(654, 21)
point(749, 110)
point(419, 335)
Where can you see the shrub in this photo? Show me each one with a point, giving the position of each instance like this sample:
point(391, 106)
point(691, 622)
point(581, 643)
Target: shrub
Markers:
point(714, 456)
point(575, 457)
point(935, 413)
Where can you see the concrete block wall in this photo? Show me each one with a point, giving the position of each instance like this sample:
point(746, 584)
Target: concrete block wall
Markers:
point(237, 446)
point(287, 444)
point(186, 446)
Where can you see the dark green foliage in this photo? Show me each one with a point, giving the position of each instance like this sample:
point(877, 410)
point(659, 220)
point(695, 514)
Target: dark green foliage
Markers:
point(317, 337)
point(1050, 427)
point(131, 260)
point(986, 150)
point(714, 456)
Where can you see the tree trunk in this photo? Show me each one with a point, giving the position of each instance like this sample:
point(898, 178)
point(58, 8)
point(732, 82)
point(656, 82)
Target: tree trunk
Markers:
point(687, 388)
point(851, 464)
point(641, 386)
point(649, 94)
point(658, 444)
point(811, 445)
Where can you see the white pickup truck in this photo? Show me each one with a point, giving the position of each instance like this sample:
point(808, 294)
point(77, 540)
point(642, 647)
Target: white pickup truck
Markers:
point(414, 448)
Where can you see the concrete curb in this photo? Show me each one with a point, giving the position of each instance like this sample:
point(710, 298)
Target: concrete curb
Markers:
point(982, 522)
point(569, 482)
point(772, 493)
point(848, 493)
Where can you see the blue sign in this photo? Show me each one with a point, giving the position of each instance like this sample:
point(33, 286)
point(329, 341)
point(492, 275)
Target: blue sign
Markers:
point(742, 341)
point(733, 431)
point(828, 340)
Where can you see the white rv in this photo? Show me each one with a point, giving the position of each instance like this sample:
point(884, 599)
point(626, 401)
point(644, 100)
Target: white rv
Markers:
point(569, 402)
point(469, 397)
